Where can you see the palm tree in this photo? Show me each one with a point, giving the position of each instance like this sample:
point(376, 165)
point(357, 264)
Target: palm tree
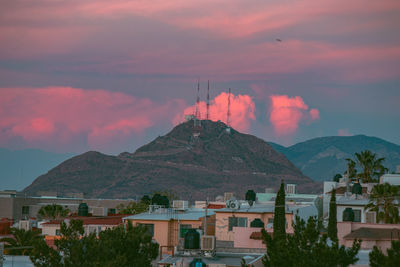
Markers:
point(21, 238)
point(53, 211)
point(384, 200)
point(371, 166)
point(351, 169)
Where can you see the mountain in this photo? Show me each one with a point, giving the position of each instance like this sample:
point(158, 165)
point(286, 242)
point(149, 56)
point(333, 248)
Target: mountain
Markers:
point(321, 158)
point(18, 168)
point(194, 167)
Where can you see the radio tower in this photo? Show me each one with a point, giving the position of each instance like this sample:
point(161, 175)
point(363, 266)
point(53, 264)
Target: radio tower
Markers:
point(197, 119)
point(228, 115)
point(208, 99)
point(197, 112)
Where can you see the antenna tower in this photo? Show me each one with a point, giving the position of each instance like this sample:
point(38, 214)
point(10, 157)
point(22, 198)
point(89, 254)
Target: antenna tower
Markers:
point(197, 111)
point(208, 99)
point(228, 115)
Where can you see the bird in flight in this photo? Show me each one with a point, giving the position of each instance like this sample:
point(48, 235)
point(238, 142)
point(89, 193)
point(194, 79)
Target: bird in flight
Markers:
point(278, 40)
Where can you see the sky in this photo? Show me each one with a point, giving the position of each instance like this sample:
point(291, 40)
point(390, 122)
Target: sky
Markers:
point(113, 75)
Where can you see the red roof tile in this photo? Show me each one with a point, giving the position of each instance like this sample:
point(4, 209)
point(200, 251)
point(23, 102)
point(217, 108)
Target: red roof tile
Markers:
point(374, 234)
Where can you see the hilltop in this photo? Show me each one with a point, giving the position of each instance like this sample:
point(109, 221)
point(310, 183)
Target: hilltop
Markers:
point(213, 163)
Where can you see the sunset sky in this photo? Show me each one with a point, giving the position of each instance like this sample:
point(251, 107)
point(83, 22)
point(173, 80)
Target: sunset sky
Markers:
point(112, 75)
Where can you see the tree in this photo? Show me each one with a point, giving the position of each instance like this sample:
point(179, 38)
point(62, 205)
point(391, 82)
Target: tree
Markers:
point(332, 223)
point(392, 259)
point(371, 166)
point(133, 207)
point(53, 211)
point(130, 246)
point(279, 214)
point(384, 200)
point(21, 238)
point(306, 247)
point(351, 169)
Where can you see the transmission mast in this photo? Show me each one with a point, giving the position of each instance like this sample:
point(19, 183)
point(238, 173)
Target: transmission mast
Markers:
point(228, 115)
point(208, 100)
point(197, 119)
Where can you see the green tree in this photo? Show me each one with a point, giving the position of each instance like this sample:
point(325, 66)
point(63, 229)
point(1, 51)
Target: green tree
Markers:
point(306, 247)
point(351, 169)
point(53, 211)
point(133, 207)
point(279, 214)
point(20, 239)
point(392, 259)
point(384, 200)
point(121, 246)
point(332, 223)
point(130, 246)
point(371, 166)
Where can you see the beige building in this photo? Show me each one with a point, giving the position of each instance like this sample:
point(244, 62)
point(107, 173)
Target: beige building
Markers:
point(16, 205)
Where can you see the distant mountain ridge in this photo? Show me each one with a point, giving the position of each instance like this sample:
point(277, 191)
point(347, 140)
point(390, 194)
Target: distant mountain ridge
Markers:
point(210, 165)
point(321, 158)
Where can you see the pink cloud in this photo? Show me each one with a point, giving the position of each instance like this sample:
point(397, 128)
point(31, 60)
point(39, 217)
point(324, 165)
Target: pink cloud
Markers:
point(286, 113)
point(344, 132)
point(242, 111)
point(58, 116)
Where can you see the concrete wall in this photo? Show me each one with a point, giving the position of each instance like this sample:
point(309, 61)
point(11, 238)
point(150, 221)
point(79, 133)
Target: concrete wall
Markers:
point(340, 210)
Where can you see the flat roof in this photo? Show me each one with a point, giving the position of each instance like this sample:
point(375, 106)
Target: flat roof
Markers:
point(188, 215)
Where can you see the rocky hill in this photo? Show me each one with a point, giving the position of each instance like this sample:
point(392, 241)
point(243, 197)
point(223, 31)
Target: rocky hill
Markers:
point(194, 167)
point(321, 158)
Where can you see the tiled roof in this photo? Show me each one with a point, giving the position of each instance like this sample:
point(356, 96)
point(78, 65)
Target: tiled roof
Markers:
point(374, 234)
point(109, 220)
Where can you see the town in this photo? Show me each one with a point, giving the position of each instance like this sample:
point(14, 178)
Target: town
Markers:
point(229, 230)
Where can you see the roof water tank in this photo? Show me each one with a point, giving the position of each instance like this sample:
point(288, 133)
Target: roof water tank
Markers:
point(257, 223)
point(83, 209)
point(348, 215)
point(356, 189)
point(192, 239)
point(197, 263)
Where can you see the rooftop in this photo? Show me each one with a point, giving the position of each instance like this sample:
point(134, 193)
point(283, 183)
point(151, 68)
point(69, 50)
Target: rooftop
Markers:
point(374, 234)
point(168, 214)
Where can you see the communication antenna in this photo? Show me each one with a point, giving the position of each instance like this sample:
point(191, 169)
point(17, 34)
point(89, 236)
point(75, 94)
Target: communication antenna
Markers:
point(197, 112)
point(208, 100)
point(228, 115)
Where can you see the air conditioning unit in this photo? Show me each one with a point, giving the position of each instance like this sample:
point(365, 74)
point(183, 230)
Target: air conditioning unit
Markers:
point(180, 204)
point(233, 204)
point(208, 242)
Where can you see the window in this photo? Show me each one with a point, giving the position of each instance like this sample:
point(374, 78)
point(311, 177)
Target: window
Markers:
point(149, 227)
point(183, 229)
point(25, 210)
point(357, 215)
point(58, 232)
point(237, 222)
point(112, 211)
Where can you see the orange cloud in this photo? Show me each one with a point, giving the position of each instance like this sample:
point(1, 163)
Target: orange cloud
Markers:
point(287, 112)
point(61, 116)
point(242, 111)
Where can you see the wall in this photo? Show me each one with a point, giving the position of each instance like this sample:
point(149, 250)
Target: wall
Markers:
point(166, 233)
point(222, 222)
point(340, 210)
point(345, 228)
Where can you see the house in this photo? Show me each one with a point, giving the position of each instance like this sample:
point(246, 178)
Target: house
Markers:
point(168, 226)
point(241, 227)
point(371, 234)
point(51, 229)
